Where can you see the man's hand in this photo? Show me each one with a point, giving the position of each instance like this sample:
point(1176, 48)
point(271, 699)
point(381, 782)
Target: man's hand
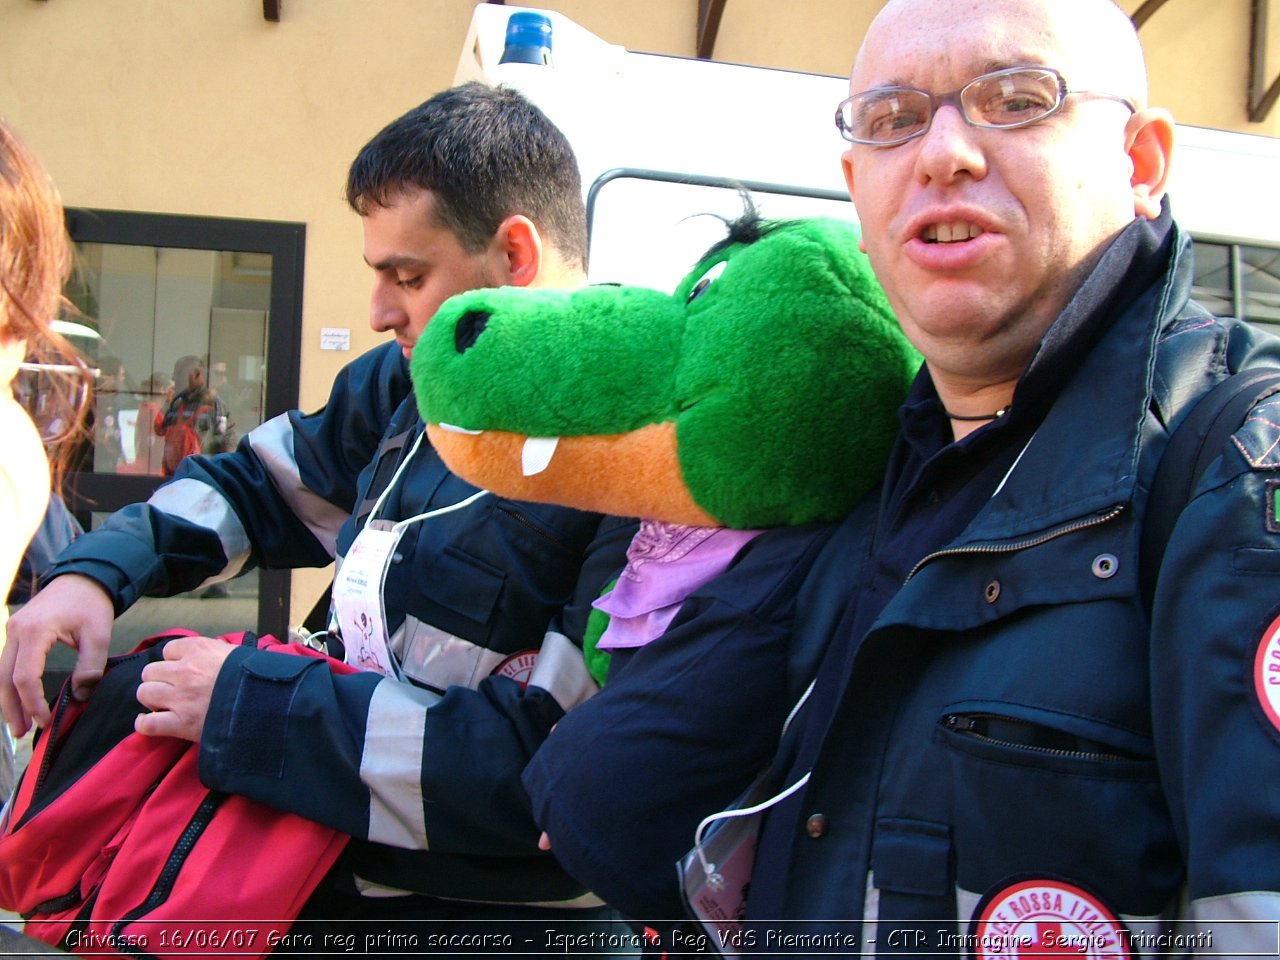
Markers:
point(544, 841)
point(178, 688)
point(73, 610)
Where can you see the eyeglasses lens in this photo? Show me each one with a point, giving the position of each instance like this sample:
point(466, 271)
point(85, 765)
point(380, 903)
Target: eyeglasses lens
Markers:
point(884, 116)
point(1011, 98)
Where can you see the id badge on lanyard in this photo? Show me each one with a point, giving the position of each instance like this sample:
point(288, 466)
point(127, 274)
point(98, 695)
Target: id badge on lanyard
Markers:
point(357, 597)
point(358, 586)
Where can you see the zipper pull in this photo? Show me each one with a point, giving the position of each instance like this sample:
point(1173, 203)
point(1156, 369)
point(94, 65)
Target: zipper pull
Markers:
point(961, 724)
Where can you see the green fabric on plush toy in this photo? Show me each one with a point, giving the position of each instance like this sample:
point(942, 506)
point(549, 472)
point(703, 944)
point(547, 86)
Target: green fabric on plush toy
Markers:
point(763, 392)
point(597, 660)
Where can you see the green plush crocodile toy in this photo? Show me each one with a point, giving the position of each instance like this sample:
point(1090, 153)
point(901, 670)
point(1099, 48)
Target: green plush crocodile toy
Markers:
point(763, 392)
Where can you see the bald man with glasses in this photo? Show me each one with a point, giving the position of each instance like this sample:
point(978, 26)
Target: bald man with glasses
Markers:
point(1006, 750)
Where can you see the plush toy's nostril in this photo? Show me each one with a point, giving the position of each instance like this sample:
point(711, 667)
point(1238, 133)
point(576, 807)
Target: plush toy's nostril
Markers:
point(470, 325)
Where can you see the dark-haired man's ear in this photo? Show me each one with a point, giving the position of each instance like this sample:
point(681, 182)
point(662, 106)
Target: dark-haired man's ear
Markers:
point(519, 244)
point(1149, 142)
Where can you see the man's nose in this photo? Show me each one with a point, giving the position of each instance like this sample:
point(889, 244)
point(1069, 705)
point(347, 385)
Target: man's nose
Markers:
point(951, 147)
point(385, 312)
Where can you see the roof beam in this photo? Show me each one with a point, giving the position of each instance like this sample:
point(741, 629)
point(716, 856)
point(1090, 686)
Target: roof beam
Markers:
point(271, 10)
point(1260, 101)
point(1146, 11)
point(709, 13)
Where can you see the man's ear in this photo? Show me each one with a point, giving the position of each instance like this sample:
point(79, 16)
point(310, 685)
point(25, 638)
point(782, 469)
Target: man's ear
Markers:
point(519, 246)
point(1148, 138)
point(846, 162)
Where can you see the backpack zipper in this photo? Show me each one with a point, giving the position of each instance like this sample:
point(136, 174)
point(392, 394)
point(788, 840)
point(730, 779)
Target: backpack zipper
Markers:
point(173, 865)
point(74, 896)
point(59, 717)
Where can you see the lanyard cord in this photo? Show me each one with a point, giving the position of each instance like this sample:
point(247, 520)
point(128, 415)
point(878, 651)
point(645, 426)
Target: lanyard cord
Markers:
point(377, 504)
point(708, 867)
point(401, 524)
point(396, 527)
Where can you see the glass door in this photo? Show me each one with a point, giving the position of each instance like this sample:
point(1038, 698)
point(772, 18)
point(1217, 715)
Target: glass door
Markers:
point(195, 326)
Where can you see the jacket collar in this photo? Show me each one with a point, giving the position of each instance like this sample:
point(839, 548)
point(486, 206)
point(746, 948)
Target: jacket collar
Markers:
point(1082, 459)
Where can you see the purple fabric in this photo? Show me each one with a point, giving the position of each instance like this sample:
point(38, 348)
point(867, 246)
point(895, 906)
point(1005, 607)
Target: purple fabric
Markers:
point(665, 563)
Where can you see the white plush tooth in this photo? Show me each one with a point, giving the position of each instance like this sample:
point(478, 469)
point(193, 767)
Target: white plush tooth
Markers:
point(452, 429)
point(536, 454)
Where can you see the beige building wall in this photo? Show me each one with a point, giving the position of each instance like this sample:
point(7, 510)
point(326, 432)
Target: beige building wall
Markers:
point(1197, 52)
point(205, 108)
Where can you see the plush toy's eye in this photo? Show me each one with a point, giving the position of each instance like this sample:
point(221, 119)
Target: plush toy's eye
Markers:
point(706, 280)
point(470, 325)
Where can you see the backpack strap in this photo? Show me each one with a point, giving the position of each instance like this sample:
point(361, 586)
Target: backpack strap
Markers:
point(1194, 444)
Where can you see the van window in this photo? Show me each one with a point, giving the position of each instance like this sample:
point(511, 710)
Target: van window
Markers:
point(1260, 278)
point(1238, 280)
point(648, 228)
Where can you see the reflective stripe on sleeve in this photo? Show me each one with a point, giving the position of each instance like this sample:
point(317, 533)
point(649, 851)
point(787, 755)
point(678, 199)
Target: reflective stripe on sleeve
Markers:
point(272, 442)
point(1241, 924)
point(561, 671)
point(391, 766)
point(203, 505)
point(587, 901)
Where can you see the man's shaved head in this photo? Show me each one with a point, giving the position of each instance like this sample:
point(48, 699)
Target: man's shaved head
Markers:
point(1105, 53)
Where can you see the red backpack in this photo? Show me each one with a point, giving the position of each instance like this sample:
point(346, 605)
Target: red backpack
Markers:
point(181, 439)
point(112, 845)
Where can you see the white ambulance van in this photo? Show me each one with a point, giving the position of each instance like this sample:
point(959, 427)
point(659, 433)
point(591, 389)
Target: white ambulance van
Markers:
point(665, 141)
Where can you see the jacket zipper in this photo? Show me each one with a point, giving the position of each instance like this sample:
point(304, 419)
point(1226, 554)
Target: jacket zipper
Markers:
point(964, 725)
point(1097, 520)
point(526, 522)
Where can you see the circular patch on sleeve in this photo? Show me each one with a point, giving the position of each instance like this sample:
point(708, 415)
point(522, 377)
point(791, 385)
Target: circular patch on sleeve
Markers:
point(1266, 675)
point(518, 667)
point(1045, 917)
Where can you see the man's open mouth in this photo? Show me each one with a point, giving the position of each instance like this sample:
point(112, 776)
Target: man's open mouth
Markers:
point(951, 232)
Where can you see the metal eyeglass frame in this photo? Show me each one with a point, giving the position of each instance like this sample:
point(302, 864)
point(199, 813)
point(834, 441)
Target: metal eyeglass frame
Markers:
point(955, 98)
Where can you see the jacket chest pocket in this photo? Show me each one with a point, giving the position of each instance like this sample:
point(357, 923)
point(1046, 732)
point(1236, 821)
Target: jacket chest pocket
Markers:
point(1041, 792)
point(465, 584)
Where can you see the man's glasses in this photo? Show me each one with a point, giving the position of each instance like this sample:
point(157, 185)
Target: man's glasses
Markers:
point(55, 395)
point(1002, 100)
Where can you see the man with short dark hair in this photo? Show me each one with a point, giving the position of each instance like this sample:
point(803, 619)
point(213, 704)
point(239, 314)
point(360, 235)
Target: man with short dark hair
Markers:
point(466, 624)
